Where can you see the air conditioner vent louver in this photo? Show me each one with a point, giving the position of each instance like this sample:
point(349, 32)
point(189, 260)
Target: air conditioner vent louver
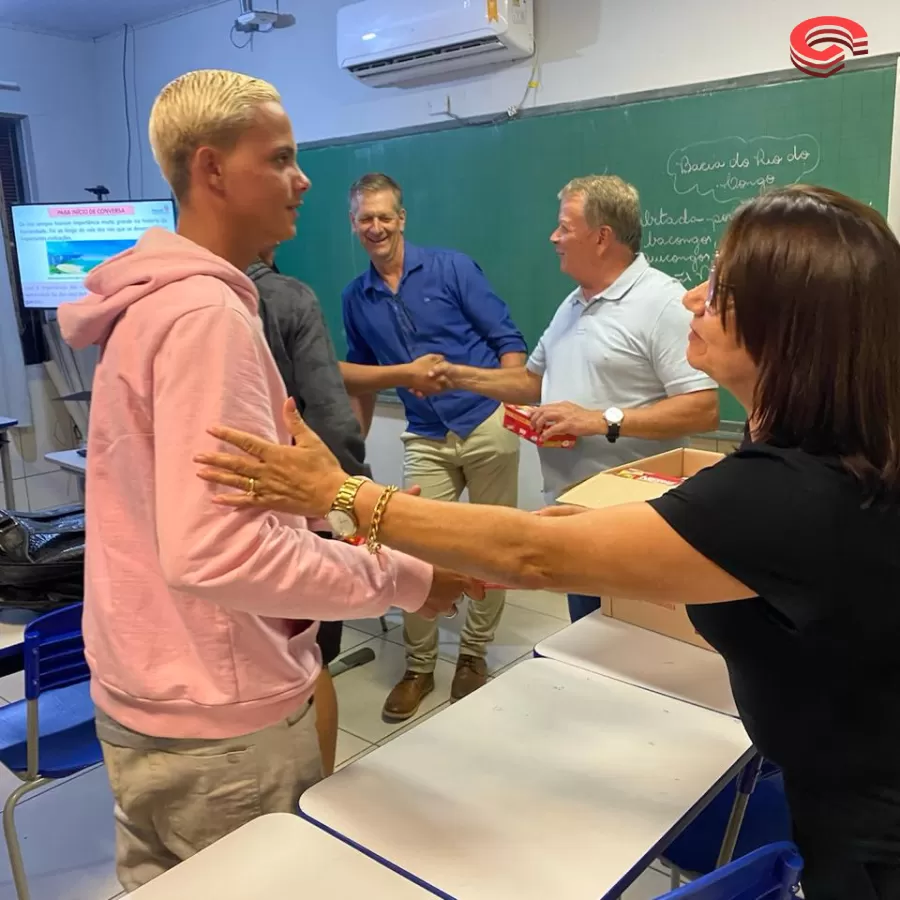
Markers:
point(424, 57)
point(386, 42)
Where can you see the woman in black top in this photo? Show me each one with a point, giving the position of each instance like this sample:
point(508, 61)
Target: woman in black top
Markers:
point(789, 549)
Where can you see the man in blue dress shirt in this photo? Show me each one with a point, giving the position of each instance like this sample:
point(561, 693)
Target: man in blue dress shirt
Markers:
point(412, 308)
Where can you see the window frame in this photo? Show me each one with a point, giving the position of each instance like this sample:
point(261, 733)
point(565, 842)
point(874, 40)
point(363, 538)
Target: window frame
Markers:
point(14, 189)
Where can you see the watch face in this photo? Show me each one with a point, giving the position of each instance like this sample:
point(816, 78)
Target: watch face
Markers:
point(614, 415)
point(343, 525)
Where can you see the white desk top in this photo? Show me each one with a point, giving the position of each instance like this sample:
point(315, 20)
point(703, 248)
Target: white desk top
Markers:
point(550, 781)
point(280, 857)
point(70, 460)
point(643, 658)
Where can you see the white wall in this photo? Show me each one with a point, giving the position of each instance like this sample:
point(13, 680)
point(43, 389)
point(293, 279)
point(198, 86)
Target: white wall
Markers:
point(587, 49)
point(57, 78)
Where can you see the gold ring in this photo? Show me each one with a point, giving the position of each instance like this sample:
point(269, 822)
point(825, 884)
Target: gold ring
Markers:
point(252, 489)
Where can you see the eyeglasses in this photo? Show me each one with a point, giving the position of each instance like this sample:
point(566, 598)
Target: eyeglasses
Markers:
point(712, 286)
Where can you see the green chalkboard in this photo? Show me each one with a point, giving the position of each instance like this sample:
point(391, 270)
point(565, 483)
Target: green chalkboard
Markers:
point(491, 190)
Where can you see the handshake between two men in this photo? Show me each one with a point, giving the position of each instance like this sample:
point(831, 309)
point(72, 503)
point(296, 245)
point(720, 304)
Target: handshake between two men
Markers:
point(433, 374)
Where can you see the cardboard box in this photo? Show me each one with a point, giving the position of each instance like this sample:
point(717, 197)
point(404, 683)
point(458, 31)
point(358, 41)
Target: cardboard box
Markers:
point(623, 485)
point(518, 420)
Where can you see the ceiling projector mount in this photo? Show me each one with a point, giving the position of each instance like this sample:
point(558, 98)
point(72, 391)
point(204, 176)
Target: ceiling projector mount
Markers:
point(255, 20)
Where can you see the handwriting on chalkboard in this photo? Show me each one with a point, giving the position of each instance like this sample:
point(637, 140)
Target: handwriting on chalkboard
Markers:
point(734, 168)
point(682, 240)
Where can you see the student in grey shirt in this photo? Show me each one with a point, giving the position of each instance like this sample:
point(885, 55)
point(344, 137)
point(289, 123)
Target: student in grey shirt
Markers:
point(611, 367)
point(304, 353)
point(298, 337)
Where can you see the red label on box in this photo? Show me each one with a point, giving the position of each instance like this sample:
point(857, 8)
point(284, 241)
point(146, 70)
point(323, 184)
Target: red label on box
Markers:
point(653, 477)
point(518, 420)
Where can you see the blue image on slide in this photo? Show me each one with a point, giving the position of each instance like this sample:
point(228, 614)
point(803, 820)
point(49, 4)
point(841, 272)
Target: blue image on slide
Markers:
point(79, 257)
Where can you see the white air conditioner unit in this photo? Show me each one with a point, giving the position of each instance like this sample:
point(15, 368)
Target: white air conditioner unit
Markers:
point(391, 41)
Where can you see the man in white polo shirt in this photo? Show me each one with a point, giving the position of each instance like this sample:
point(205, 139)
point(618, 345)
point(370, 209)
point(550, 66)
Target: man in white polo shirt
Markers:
point(611, 366)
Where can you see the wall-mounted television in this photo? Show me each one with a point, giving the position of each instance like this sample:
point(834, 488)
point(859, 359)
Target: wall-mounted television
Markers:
point(57, 244)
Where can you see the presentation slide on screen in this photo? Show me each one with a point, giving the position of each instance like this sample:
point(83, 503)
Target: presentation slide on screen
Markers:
point(58, 244)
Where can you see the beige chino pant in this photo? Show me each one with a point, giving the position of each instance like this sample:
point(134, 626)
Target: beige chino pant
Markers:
point(173, 802)
point(487, 463)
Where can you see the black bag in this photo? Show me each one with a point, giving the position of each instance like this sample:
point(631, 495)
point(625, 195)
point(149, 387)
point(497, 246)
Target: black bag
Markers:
point(42, 558)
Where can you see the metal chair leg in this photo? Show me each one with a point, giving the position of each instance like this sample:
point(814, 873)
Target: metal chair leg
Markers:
point(352, 660)
point(746, 784)
point(674, 878)
point(12, 839)
point(384, 624)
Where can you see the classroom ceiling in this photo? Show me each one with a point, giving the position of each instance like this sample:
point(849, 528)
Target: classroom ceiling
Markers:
point(88, 19)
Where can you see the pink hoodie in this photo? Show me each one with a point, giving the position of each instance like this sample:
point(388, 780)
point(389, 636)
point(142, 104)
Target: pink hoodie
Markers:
point(187, 604)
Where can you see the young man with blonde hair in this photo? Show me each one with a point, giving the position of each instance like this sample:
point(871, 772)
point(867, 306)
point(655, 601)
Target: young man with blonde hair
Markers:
point(200, 623)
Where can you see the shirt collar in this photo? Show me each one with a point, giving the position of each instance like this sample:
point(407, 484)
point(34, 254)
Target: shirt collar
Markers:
point(413, 258)
point(257, 270)
point(621, 286)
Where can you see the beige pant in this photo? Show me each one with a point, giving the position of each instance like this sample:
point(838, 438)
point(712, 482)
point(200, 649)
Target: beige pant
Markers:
point(173, 802)
point(487, 463)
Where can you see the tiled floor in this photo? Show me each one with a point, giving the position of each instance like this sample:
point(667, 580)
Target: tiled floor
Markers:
point(66, 829)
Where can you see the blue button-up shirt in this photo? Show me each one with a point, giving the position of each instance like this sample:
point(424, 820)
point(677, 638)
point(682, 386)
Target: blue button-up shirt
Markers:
point(444, 304)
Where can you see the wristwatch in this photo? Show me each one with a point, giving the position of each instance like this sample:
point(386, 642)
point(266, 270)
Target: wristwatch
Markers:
point(613, 417)
point(342, 517)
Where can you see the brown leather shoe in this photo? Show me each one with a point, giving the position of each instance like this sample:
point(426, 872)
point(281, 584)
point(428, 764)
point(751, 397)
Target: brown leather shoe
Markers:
point(403, 701)
point(471, 674)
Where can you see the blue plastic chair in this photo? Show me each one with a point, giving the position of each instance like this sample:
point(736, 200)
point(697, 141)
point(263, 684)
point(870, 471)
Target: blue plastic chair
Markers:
point(770, 873)
point(714, 836)
point(50, 734)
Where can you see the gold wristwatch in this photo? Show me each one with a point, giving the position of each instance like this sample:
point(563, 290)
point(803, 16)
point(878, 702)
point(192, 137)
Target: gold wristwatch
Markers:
point(342, 516)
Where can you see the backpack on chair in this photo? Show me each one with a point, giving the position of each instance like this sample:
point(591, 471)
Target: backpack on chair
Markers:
point(42, 558)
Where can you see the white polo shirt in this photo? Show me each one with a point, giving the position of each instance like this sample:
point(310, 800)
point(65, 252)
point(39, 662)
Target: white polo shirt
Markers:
point(625, 347)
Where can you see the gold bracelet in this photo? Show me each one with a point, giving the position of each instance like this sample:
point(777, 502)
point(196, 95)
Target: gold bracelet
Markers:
point(377, 516)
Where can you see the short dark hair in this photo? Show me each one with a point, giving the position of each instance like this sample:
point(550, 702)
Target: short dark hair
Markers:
point(373, 182)
point(812, 279)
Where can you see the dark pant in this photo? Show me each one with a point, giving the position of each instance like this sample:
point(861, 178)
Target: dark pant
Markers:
point(330, 633)
point(581, 605)
point(849, 838)
point(329, 641)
